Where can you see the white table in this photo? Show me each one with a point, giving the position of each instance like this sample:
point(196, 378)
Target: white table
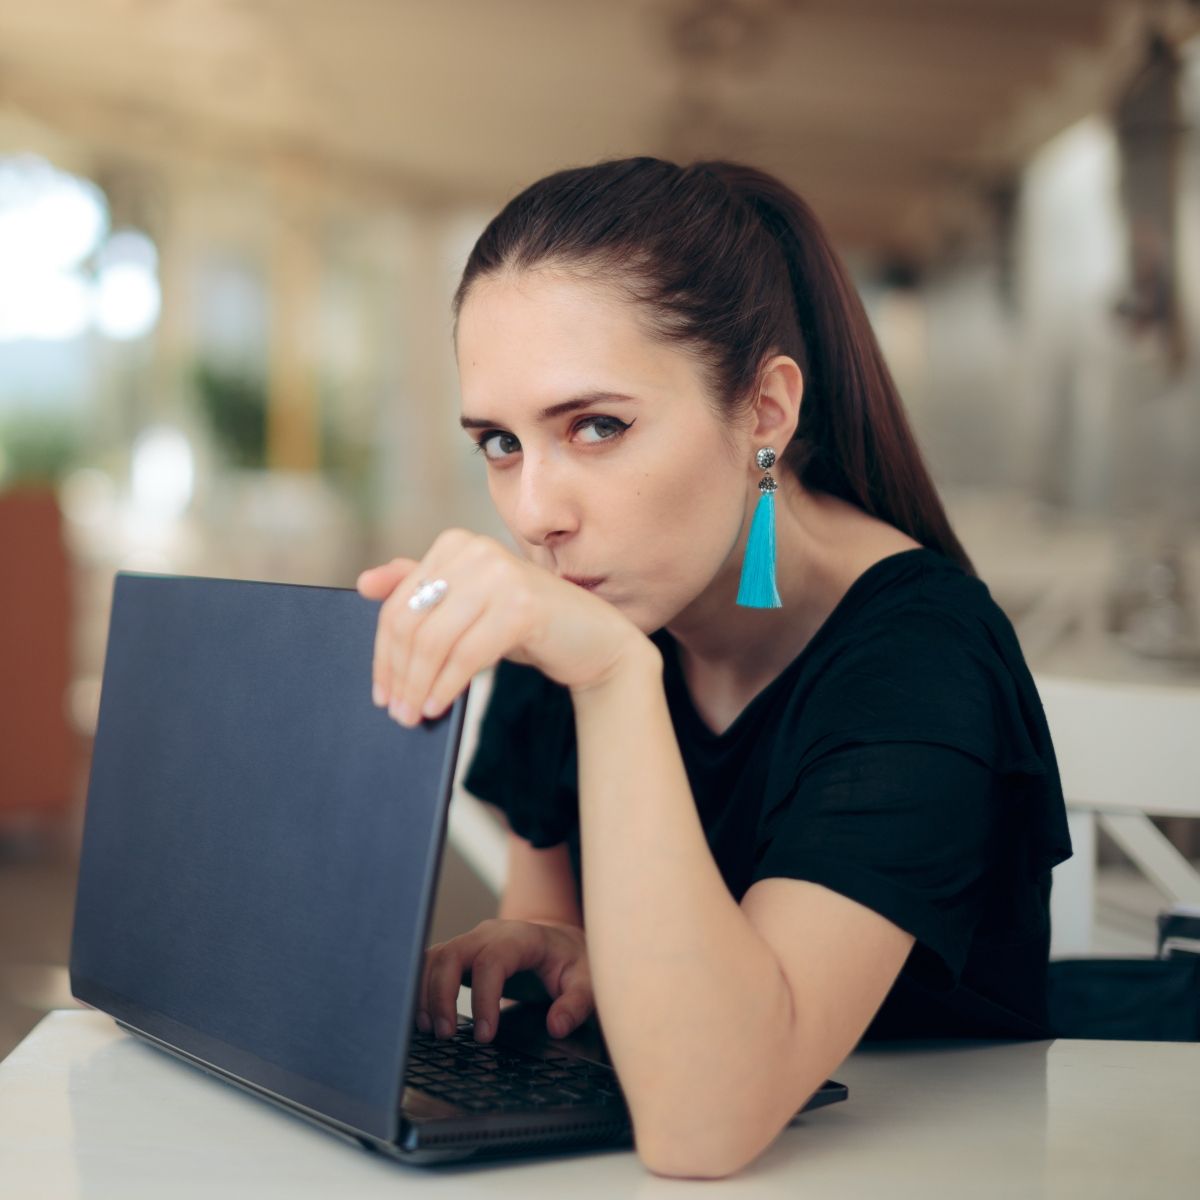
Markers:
point(89, 1111)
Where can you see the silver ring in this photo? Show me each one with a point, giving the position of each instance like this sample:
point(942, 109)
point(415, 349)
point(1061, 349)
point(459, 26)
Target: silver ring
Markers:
point(429, 592)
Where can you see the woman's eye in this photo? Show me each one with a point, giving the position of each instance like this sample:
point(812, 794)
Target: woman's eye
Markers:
point(497, 445)
point(607, 429)
point(505, 445)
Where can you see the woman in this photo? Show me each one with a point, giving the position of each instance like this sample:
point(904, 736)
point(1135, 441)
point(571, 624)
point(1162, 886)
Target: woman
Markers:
point(828, 809)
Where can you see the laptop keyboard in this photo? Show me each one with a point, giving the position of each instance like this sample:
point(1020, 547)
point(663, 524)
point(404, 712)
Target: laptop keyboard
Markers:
point(486, 1077)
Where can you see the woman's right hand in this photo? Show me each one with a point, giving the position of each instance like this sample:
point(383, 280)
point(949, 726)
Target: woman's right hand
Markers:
point(494, 951)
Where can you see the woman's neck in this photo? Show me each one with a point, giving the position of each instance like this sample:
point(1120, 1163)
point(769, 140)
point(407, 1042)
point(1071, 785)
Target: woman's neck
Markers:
point(822, 545)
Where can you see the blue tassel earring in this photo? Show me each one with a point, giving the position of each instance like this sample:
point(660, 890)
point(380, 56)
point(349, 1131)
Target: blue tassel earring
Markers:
point(757, 586)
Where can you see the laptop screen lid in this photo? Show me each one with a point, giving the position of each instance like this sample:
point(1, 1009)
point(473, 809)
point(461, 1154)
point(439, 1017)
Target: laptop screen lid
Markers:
point(261, 844)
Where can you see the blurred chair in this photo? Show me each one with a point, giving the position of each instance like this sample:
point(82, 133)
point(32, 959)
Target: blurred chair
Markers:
point(38, 750)
point(1126, 752)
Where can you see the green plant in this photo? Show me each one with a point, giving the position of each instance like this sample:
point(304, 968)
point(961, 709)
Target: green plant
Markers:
point(234, 402)
point(36, 450)
point(347, 455)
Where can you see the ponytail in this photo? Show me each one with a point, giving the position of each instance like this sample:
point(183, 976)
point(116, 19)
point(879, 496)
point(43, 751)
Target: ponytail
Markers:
point(853, 439)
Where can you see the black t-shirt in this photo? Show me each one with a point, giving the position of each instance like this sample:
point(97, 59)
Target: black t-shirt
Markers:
point(901, 759)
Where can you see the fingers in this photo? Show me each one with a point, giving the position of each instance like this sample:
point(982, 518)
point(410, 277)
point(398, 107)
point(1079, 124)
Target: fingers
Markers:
point(494, 951)
point(394, 631)
point(490, 951)
point(377, 583)
point(492, 966)
point(442, 658)
point(426, 659)
point(576, 1002)
point(443, 978)
point(420, 646)
point(380, 583)
point(381, 679)
point(395, 583)
point(503, 949)
point(424, 1006)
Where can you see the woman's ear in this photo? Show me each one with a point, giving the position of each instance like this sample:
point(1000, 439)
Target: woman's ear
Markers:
point(777, 407)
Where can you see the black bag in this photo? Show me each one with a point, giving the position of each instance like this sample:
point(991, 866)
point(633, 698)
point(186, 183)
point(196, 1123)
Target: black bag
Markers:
point(1133, 999)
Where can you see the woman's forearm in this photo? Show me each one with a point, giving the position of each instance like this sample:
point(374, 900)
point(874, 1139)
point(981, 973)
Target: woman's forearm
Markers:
point(694, 1005)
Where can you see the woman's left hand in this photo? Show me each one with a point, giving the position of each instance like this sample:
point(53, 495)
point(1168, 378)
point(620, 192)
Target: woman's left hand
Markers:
point(495, 606)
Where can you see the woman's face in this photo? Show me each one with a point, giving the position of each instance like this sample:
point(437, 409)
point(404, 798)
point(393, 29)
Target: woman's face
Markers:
point(637, 482)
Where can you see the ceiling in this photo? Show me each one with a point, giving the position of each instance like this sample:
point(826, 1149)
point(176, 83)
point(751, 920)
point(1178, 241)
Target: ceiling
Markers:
point(893, 117)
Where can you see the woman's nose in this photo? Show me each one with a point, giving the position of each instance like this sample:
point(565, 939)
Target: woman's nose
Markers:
point(544, 509)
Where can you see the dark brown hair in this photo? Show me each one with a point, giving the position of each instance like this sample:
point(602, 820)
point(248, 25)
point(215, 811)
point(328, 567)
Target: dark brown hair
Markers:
point(731, 264)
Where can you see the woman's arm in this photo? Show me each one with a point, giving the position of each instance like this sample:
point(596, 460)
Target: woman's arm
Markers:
point(721, 1019)
point(539, 885)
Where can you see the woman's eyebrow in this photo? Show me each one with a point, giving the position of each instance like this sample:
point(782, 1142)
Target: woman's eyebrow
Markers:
point(586, 400)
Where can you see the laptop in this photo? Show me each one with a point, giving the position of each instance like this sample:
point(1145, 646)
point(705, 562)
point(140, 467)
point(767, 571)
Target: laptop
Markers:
point(259, 866)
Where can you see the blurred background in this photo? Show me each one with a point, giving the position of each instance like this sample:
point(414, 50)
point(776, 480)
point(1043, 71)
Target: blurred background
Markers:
point(230, 230)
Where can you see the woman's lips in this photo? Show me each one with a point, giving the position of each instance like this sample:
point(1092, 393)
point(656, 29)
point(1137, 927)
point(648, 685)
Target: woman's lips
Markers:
point(584, 581)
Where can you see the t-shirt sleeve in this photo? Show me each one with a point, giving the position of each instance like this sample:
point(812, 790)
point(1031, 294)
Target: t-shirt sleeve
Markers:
point(524, 761)
point(911, 830)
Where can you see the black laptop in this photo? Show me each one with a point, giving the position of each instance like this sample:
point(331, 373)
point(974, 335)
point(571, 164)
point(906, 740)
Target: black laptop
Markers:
point(260, 860)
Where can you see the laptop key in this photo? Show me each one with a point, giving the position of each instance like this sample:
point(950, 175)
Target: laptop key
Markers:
point(478, 1077)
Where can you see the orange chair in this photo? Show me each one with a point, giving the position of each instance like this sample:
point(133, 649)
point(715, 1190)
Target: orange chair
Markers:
point(39, 752)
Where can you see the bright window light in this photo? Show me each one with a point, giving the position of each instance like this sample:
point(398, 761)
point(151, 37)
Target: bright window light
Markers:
point(130, 248)
point(127, 296)
point(50, 220)
point(127, 302)
point(162, 472)
point(43, 305)
point(51, 226)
